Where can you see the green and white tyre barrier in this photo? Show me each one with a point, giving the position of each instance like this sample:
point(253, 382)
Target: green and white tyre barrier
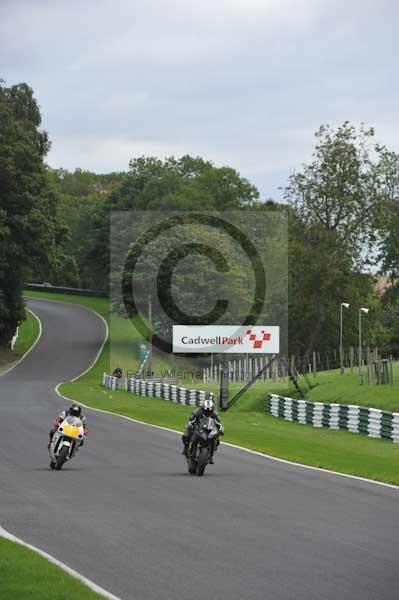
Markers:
point(358, 419)
point(167, 391)
point(113, 383)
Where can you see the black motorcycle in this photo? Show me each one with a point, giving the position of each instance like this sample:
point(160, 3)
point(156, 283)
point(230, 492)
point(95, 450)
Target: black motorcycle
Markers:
point(203, 443)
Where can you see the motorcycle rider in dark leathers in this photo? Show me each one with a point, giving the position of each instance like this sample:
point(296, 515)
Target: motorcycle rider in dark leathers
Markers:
point(206, 410)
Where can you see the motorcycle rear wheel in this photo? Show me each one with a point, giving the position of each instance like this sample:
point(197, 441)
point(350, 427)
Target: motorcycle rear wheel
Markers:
point(61, 458)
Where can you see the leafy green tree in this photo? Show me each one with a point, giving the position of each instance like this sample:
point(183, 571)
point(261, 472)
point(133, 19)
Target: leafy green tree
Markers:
point(321, 276)
point(340, 189)
point(335, 201)
point(387, 220)
point(185, 184)
point(81, 195)
point(27, 206)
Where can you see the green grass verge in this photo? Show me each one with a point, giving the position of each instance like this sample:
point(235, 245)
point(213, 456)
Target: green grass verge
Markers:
point(248, 424)
point(256, 429)
point(346, 388)
point(28, 333)
point(25, 575)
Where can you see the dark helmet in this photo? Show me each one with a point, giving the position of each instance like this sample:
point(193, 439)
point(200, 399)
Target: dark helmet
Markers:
point(207, 408)
point(75, 411)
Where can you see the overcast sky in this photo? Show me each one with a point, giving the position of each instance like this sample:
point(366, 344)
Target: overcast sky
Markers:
point(242, 83)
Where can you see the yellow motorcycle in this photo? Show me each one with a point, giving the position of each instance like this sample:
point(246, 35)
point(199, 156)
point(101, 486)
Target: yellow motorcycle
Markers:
point(66, 441)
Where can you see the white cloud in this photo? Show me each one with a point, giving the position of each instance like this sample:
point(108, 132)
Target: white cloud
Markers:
point(106, 154)
point(241, 83)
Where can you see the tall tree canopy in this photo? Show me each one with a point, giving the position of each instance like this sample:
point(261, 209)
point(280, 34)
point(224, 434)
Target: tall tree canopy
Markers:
point(27, 204)
point(335, 201)
point(340, 189)
point(185, 184)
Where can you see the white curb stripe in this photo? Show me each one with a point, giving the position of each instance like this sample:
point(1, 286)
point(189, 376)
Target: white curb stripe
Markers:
point(90, 584)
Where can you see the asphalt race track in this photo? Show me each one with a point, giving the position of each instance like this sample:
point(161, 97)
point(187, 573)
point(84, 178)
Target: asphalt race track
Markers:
point(125, 514)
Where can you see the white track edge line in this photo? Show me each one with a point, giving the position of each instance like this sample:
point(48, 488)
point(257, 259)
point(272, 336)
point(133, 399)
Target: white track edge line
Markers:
point(256, 452)
point(88, 309)
point(29, 349)
point(100, 350)
point(242, 448)
point(93, 586)
point(90, 584)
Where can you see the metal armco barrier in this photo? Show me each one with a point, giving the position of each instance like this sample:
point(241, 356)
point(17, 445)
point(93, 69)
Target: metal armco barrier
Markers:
point(167, 391)
point(113, 383)
point(56, 289)
point(372, 422)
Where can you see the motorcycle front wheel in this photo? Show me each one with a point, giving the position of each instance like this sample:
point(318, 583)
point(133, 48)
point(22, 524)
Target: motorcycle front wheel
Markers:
point(192, 467)
point(202, 461)
point(61, 458)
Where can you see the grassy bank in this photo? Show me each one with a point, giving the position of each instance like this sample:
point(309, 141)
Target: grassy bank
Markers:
point(28, 333)
point(346, 388)
point(258, 430)
point(248, 424)
point(25, 575)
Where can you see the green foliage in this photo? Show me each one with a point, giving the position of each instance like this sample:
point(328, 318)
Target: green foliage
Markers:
point(27, 335)
point(387, 220)
point(335, 201)
point(339, 189)
point(322, 276)
point(80, 195)
point(27, 204)
point(185, 184)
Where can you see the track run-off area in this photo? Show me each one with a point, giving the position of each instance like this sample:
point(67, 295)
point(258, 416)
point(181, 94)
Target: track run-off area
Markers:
point(125, 514)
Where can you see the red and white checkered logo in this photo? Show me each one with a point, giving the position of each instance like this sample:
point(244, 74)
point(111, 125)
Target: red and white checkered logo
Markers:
point(258, 342)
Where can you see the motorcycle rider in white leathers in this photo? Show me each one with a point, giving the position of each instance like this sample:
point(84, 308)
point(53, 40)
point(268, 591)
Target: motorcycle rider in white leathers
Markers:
point(73, 411)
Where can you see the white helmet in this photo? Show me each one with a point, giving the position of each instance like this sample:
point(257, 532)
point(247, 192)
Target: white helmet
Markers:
point(207, 407)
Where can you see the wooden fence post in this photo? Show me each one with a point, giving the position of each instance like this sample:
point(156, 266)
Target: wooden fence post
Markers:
point(369, 369)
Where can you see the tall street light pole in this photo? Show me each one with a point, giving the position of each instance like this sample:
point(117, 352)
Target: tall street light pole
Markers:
point(150, 336)
point(341, 350)
point(365, 311)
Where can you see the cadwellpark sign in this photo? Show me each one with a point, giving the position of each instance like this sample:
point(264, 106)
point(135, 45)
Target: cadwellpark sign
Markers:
point(260, 339)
